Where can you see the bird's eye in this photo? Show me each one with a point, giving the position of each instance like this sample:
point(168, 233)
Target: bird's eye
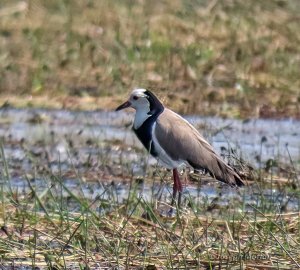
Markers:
point(135, 97)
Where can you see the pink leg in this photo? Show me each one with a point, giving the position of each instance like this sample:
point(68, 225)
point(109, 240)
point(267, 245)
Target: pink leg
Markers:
point(177, 187)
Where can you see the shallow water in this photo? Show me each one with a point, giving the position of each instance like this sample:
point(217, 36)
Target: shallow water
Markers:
point(206, 196)
point(277, 139)
point(96, 142)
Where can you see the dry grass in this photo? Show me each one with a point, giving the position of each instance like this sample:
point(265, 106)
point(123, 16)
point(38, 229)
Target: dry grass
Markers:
point(47, 223)
point(125, 240)
point(228, 57)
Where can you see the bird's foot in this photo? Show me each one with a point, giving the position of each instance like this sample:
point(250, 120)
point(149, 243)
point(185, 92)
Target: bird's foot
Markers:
point(172, 212)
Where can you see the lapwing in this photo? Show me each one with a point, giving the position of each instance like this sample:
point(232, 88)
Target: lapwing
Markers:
point(174, 141)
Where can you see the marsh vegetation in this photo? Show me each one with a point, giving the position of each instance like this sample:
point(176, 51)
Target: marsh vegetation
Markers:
point(77, 191)
point(231, 58)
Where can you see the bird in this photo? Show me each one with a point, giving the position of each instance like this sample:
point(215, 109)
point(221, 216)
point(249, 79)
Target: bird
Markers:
point(174, 142)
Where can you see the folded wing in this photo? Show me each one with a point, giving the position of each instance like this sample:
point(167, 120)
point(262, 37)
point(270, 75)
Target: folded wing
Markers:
point(182, 141)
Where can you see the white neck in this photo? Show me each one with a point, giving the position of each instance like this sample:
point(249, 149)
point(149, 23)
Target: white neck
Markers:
point(141, 116)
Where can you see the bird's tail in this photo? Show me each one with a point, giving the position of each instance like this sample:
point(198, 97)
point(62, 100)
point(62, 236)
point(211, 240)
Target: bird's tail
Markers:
point(224, 173)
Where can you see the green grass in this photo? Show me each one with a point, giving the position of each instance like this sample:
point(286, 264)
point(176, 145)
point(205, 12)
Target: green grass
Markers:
point(52, 225)
point(232, 58)
point(193, 53)
point(34, 234)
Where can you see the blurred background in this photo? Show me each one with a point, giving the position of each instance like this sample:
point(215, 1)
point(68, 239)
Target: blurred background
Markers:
point(230, 58)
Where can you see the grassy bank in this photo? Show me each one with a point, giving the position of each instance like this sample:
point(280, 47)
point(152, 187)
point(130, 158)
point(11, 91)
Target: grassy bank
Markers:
point(94, 206)
point(62, 202)
point(53, 228)
point(232, 58)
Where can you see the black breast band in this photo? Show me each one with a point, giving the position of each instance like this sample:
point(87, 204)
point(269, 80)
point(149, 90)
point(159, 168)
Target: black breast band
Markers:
point(144, 132)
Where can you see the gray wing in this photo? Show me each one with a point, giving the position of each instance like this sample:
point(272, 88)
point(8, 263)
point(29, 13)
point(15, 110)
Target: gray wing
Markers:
point(183, 142)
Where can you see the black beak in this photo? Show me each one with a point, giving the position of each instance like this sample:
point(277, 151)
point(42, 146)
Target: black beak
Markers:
point(123, 106)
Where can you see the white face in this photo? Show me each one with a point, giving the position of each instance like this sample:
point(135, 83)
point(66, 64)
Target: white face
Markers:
point(138, 100)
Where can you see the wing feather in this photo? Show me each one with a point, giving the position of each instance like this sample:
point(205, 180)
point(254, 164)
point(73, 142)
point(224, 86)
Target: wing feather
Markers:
point(182, 141)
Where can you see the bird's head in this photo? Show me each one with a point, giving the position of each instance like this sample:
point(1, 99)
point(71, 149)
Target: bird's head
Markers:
point(142, 100)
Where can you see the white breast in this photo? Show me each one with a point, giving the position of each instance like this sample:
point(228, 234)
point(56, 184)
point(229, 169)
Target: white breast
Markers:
point(141, 116)
point(163, 157)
